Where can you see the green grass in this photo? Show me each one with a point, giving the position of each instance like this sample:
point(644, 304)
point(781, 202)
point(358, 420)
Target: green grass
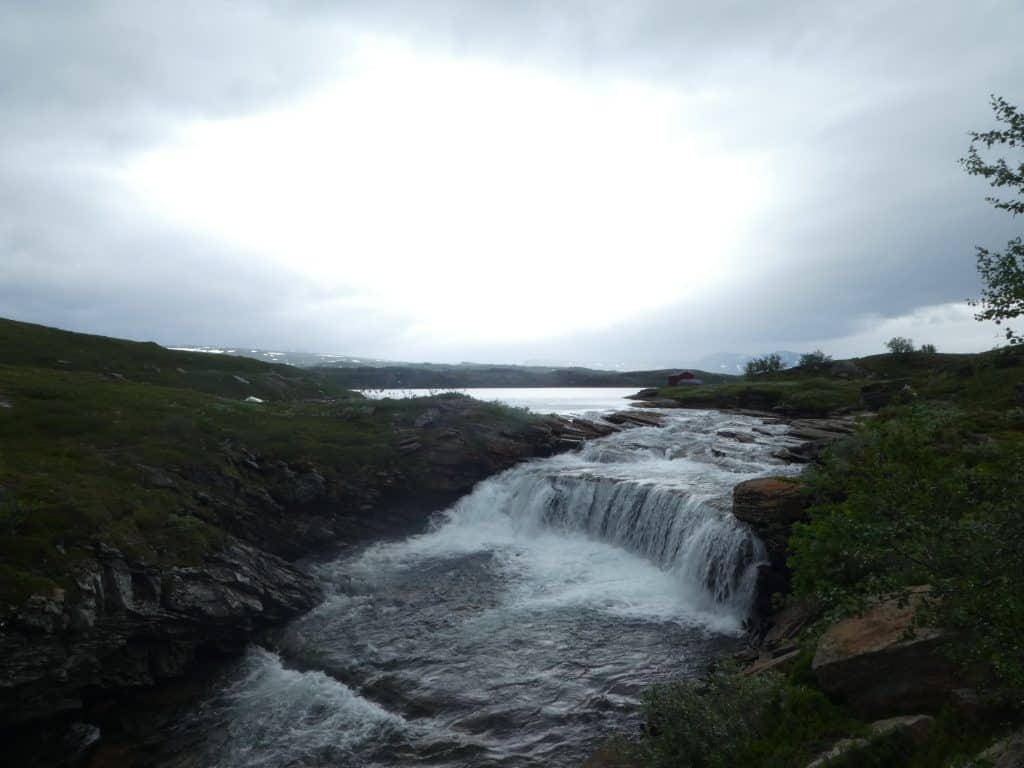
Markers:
point(87, 458)
point(814, 396)
point(776, 721)
point(37, 346)
point(985, 380)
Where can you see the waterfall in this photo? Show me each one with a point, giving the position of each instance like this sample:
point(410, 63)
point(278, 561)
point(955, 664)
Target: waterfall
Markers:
point(684, 528)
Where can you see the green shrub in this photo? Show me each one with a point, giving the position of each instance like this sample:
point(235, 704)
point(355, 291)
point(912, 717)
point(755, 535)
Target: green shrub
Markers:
point(924, 496)
point(814, 359)
point(709, 724)
point(900, 345)
point(768, 364)
point(730, 720)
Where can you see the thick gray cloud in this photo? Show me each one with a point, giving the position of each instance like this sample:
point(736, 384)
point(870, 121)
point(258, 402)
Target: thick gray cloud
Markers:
point(864, 107)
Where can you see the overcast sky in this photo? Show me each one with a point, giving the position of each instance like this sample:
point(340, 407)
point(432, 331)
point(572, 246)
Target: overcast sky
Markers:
point(634, 182)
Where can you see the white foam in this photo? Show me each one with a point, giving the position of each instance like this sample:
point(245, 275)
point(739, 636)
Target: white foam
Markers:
point(635, 524)
point(276, 716)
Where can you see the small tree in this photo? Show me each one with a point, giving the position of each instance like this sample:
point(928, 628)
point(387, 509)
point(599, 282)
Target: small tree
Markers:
point(814, 359)
point(900, 345)
point(767, 364)
point(928, 349)
point(1002, 298)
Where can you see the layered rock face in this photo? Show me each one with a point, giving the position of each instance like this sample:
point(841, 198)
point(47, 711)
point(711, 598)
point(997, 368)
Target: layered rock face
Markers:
point(770, 506)
point(132, 625)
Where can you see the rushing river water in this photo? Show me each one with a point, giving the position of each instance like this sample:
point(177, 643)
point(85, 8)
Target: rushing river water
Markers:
point(519, 630)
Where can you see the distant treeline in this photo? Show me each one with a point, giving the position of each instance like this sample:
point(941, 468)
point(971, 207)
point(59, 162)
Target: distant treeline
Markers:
point(435, 376)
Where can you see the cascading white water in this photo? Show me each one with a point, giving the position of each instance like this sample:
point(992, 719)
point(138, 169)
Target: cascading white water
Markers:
point(679, 531)
point(523, 624)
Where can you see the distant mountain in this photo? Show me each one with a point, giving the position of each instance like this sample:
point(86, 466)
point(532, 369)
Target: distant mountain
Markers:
point(299, 359)
point(372, 373)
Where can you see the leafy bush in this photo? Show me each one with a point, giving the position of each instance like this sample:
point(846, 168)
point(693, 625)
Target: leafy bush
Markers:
point(731, 720)
point(814, 359)
point(900, 345)
point(768, 364)
point(920, 497)
point(1002, 297)
point(928, 349)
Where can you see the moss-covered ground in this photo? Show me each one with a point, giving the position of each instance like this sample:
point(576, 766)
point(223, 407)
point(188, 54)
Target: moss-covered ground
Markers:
point(986, 380)
point(97, 436)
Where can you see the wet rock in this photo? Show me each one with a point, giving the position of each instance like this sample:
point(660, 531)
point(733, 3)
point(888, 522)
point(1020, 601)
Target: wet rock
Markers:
point(881, 664)
point(636, 418)
point(770, 506)
point(918, 727)
point(1005, 753)
point(840, 748)
point(657, 402)
point(645, 394)
point(812, 433)
point(130, 628)
point(842, 426)
point(769, 662)
point(743, 437)
point(784, 625)
point(427, 418)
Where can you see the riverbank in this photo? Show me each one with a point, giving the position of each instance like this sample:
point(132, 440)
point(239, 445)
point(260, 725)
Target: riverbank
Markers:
point(894, 574)
point(153, 503)
point(524, 622)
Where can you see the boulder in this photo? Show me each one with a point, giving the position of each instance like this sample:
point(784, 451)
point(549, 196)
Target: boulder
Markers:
point(1006, 753)
point(657, 402)
point(918, 727)
point(784, 625)
point(770, 506)
point(838, 749)
point(771, 663)
point(644, 394)
point(882, 665)
point(743, 437)
point(132, 625)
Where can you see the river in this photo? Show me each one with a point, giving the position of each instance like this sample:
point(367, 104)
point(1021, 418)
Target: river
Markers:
point(522, 627)
point(565, 400)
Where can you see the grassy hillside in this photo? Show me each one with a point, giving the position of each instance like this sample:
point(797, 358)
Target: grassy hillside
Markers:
point(990, 379)
point(43, 348)
point(158, 454)
point(929, 492)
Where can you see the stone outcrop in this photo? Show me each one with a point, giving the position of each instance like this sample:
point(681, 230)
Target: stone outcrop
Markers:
point(132, 625)
point(770, 506)
point(1005, 753)
point(917, 727)
point(882, 665)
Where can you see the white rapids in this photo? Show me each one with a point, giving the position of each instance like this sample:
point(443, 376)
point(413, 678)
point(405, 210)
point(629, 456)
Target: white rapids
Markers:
point(522, 625)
